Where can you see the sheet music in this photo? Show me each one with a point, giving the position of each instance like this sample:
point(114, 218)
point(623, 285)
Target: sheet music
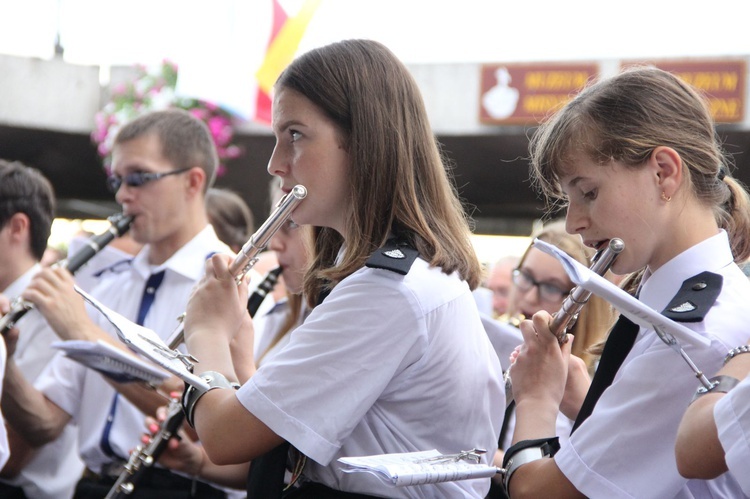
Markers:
point(629, 306)
point(146, 342)
point(111, 361)
point(415, 468)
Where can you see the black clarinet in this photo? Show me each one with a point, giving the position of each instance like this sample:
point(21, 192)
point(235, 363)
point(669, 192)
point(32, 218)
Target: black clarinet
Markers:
point(263, 289)
point(120, 225)
point(143, 457)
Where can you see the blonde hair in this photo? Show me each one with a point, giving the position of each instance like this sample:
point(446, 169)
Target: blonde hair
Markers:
point(597, 316)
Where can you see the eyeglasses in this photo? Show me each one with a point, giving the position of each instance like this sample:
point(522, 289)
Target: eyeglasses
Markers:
point(137, 179)
point(548, 292)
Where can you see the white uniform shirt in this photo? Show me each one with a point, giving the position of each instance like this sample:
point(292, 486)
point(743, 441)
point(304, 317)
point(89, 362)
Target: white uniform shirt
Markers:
point(387, 363)
point(83, 393)
point(732, 416)
point(4, 451)
point(626, 447)
point(54, 471)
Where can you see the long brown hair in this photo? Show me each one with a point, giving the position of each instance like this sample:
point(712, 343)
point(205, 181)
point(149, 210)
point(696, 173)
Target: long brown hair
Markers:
point(399, 182)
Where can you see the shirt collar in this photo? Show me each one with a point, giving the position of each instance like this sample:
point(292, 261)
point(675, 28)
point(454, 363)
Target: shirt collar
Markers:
point(17, 286)
point(712, 254)
point(189, 260)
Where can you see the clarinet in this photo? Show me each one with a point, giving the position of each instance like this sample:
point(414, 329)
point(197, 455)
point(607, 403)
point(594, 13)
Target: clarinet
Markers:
point(120, 225)
point(566, 317)
point(142, 458)
point(263, 289)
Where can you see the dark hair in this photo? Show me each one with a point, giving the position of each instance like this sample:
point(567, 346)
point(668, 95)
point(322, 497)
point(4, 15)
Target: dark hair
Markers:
point(397, 174)
point(626, 117)
point(25, 190)
point(185, 140)
point(230, 216)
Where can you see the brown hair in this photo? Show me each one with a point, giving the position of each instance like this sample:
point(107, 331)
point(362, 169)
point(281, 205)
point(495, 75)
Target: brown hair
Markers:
point(25, 190)
point(398, 178)
point(230, 217)
point(185, 140)
point(624, 118)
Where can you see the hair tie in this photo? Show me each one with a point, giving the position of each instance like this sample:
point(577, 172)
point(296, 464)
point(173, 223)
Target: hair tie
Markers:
point(722, 173)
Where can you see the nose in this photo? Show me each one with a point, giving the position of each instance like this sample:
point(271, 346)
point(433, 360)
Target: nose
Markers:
point(276, 243)
point(575, 219)
point(123, 194)
point(276, 166)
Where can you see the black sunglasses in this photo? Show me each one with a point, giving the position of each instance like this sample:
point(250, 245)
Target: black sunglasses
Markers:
point(137, 179)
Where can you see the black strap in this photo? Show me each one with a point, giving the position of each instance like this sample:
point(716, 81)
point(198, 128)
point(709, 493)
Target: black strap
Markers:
point(266, 476)
point(620, 341)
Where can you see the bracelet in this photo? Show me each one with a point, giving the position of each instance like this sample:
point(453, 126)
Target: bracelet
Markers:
point(735, 352)
point(192, 394)
point(525, 452)
point(719, 384)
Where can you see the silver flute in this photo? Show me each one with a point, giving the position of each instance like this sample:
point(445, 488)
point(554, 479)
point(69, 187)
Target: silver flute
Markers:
point(567, 316)
point(143, 457)
point(120, 225)
point(248, 255)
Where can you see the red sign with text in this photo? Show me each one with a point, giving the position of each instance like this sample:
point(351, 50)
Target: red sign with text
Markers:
point(523, 94)
point(722, 81)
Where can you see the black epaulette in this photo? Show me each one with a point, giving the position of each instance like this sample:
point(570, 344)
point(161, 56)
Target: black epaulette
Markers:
point(695, 298)
point(394, 256)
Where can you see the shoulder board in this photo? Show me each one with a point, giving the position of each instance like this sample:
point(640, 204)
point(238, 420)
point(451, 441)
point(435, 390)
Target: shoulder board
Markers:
point(695, 298)
point(394, 256)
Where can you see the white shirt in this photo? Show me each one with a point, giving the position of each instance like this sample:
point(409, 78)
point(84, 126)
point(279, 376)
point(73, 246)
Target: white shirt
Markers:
point(82, 392)
point(626, 447)
point(732, 416)
point(54, 470)
point(387, 363)
point(4, 451)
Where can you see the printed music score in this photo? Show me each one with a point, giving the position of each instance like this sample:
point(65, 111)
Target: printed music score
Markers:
point(147, 343)
point(628, 305)
point(417, 468)
point(111, 361)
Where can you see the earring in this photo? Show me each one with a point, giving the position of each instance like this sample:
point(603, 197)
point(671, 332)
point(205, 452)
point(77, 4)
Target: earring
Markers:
point(665, 197)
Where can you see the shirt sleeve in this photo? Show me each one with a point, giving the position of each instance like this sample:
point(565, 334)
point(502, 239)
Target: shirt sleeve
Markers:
point(338, 363)
point(732, 416)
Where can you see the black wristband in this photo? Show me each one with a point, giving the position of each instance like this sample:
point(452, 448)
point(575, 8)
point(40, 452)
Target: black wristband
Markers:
point(526, 451)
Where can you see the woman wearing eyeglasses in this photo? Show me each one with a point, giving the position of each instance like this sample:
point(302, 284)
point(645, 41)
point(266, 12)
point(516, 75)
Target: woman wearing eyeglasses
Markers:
point(540, 283)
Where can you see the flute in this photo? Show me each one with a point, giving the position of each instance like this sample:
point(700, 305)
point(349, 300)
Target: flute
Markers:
point(144, 457)
point(566, 317)
point(248, 255)
point(120, 225)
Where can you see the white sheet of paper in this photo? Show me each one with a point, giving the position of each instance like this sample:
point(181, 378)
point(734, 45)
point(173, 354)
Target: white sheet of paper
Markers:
point(628, 305)
point(145, 342)
point(416, 468)
point(111, 361)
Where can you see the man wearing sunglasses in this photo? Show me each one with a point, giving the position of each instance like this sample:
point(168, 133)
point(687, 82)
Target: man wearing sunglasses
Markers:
point(162, 166)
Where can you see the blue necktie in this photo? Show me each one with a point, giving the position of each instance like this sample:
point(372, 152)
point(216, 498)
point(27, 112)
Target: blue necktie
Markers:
point(149, 293)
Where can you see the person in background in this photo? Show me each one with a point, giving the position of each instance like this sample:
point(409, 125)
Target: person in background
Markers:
point(230, 217)
point(27, 208)
point(541, 283)
point(636, 157)
point(366, 372)
point(500, 281)
point(162, 165)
